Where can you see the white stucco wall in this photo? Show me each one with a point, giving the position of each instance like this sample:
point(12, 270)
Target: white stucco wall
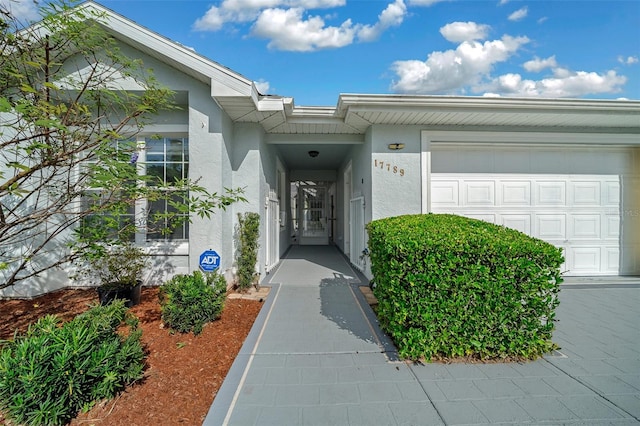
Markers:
point(395, 174)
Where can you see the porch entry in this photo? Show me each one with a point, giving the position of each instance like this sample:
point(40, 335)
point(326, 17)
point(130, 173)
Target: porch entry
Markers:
point(310, 212)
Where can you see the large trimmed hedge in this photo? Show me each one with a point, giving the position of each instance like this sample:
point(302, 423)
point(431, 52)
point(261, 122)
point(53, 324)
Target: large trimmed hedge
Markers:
point(449, 286)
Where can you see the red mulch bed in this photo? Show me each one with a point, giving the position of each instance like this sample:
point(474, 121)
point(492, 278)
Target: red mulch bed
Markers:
point(184, 372)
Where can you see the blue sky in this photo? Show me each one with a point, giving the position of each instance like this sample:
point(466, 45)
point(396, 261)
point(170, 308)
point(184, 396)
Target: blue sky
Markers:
point(313, 50)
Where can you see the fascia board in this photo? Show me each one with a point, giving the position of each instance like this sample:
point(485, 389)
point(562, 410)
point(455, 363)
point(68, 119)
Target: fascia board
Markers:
point(270, 104)
point(348, 101)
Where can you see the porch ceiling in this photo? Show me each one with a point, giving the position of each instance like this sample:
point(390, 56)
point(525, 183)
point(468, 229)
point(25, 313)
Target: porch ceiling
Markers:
point(330, 156)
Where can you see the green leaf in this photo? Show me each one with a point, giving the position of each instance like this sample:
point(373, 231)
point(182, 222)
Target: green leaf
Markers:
point(5, 105)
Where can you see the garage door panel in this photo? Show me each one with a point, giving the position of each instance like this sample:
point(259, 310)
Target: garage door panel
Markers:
point(584, 260)
point(515, 193)
point(519, 222)
point(612, 260)
point(479, 193)
point(611, 227)
point(585, 193)
point(445, 193)
point(551, 226)
point(585, 227)
point(550, 193)
point(611, 194)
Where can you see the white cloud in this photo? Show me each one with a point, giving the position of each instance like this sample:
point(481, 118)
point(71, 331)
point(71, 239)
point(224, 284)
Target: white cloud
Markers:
point(288, 30)
point(519, 14)
point(503, 2)
point(537, 64)
point(464, 31)
point(22, 10)
point(238, 11)
point(392, 16)
point(424, 2)
point(288, 27)
point(453, 70)
point(563, 84)
point(213, 20)
point(629, 60)
point(262, 86)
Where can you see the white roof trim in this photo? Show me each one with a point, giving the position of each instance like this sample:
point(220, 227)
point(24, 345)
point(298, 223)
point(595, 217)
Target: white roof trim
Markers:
point(458, 103)
point(224, 82)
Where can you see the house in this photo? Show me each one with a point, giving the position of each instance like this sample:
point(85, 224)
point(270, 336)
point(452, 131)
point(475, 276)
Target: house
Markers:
point(566, 171)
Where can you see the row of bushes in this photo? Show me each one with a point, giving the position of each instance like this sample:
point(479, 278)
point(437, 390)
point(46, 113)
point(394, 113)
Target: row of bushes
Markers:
point(54, 370)
point(449, 286)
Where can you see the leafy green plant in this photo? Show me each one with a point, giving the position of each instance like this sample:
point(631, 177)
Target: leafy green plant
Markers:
point(449, 286)
point(52, 371)
point(116, 265)
point(247, 257)
point(188, 302)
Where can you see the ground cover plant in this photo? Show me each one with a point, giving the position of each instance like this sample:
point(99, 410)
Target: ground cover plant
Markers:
point(449, 286)
point(53, 371)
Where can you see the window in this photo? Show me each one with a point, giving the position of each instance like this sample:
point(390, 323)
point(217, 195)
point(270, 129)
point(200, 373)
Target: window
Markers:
point(103, 223)
point(112, 214)
point(164, 162)
point(167, 162)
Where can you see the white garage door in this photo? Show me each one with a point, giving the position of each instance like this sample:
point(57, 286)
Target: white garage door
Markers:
point(579, 213)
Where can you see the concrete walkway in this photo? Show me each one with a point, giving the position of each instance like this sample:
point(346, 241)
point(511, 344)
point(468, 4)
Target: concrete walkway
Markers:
point(315, 356)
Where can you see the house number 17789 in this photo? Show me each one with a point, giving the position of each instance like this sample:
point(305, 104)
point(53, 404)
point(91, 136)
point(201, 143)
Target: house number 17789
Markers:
point(389, 167)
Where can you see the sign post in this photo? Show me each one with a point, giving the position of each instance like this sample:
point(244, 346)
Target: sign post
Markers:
point(209, 261)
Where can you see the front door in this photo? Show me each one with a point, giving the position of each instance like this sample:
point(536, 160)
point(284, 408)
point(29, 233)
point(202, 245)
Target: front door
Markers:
point(314, 229)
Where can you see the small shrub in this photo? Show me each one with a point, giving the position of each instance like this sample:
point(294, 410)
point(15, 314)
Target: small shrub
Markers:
point(115, 266)
point(449, 286)
point(248, 233)
point(50, 373)
point(188, 302)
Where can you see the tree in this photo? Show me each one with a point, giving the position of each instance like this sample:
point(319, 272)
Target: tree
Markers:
point(70, 105)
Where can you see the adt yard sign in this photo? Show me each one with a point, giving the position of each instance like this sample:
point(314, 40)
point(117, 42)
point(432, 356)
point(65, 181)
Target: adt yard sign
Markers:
point(209, 261)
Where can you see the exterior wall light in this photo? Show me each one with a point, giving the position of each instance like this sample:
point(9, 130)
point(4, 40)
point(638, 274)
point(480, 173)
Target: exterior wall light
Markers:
point(396, 146)
point(313, 154)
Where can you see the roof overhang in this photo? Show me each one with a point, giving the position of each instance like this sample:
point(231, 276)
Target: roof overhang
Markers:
point(575, 115)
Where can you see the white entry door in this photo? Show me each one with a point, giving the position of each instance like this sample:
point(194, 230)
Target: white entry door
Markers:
point(314, 228)
point(578, 213)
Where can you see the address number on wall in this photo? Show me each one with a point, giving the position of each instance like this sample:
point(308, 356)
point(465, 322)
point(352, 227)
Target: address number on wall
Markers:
point(388, 167)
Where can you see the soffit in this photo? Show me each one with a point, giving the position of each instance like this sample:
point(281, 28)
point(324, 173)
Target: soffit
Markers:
point(547, 114)
point(356, 113)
